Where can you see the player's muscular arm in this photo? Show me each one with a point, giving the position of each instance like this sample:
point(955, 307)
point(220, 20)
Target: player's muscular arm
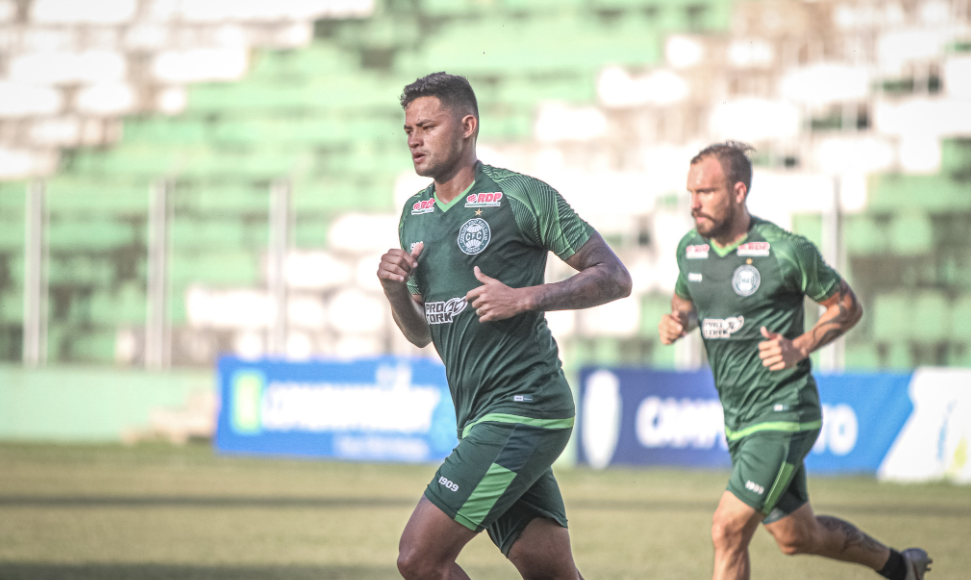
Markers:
point(842, 312)
point(408, 311)
point(682, 320)
point(601, 278)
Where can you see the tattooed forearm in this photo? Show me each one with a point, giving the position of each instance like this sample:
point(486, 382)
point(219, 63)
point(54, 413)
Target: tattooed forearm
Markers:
point(842, 312)
point(595, 285)
point(601, 278)
point(853, 538)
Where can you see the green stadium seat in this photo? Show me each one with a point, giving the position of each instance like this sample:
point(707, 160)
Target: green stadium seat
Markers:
point(219, 198)
point(929, 316)
point(93, 346)
point(80, 270)
point(864, 236)
point(959, 355)
point(891, 316)
point(125, 306)
point(861, 356)
point(663, 357)
point(911, 233)
point(89, 234)
point(928, 192)
point(956, 156)
point(899, 356)
point(653, 307)
point(230, 267)
point(960, 319)
point(11, 307)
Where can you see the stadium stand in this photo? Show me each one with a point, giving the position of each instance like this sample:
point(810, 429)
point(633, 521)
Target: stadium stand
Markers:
point(588, 94)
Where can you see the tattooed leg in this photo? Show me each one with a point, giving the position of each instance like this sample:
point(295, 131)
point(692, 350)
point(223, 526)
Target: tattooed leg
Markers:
point(805, 533)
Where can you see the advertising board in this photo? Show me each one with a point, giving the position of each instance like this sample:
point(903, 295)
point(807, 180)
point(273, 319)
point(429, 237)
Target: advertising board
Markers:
point(376, 409)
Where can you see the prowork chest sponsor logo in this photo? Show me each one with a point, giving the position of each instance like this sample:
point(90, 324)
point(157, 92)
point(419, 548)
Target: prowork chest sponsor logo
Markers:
point(746, 280)
point(721, 327)
point(754, 249)
point(444, 312)
point(411, 248)
point(483, 199)
point(694, 277)
point(474, 236)
point(424, 206)
point(699, 252)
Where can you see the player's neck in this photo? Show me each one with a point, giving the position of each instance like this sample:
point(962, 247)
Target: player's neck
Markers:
point(454, 182)
point(739, 230)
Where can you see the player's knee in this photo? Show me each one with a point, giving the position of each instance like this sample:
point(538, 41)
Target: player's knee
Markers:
point(413, 566)
point(726, 533)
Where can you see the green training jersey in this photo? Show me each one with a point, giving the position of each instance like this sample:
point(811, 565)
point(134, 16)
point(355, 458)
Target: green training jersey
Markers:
point(505, 223)
point(758, 281)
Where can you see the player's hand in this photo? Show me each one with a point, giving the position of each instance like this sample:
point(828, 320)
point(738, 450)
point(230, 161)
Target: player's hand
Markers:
point(493, 300)
point(778, 352)
point(397, 266)
point(672, 327)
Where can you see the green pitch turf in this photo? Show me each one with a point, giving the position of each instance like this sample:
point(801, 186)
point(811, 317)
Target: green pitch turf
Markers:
point(158, 511)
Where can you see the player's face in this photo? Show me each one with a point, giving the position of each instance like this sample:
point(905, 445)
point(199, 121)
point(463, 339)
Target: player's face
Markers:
point(434, 136)
point(713, 203)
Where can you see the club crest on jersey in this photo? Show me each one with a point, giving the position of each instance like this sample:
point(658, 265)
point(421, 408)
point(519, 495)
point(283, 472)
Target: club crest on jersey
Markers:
point(483, 199)
point(474, 236)
point(753, 249)
point(746, 280)
point(424, 206)
point(699, 252)
point(444, 312)
point(721, 327)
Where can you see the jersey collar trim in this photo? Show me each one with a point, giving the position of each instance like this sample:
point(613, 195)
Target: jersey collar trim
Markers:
point(447, 206)
point(722, 252)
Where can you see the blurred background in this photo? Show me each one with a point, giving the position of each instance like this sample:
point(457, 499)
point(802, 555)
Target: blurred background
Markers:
point(183, 179)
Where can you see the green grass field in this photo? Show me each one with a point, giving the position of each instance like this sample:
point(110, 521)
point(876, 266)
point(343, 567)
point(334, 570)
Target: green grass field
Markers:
point(158, 511)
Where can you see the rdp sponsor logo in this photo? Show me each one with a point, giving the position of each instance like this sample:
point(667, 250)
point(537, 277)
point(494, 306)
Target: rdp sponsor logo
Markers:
point(721, 328)
point(483, 199)
point(754, 249)
point(449, 484)
point(699, 252)
point(444, 312)
point(680, 423)
point(420, 207)
point(840, 430)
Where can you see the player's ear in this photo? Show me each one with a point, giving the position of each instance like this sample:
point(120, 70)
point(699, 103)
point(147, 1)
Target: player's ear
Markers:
point(470, 125)
point(740, 192)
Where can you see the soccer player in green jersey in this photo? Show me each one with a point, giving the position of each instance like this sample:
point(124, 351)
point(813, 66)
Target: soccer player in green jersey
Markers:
point(468, 277)
point(742, 282)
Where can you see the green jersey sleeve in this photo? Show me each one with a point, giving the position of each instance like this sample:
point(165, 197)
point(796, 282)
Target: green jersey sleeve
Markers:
point(681, 286)
point(412, 281)
point(806, 270)
point(544, 217)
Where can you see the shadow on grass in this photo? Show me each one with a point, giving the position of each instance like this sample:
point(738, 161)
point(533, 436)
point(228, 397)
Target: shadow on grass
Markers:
point(23, 571)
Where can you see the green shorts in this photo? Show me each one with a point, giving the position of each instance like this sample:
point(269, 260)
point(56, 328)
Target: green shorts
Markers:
point(499, 478)
point(768, 472)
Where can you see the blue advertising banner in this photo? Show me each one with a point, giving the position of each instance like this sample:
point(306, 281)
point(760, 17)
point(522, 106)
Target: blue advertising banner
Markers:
point(376, 409)
point(651, 417)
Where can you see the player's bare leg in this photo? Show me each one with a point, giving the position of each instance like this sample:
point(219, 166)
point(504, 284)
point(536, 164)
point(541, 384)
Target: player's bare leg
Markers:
point(803, 532)
point(542, 552)
point(732, 528)
point(430, 544)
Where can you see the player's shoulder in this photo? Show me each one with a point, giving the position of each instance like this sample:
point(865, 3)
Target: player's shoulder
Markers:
point(517, 186)
point(419, 203)
point(692, 238)
point(781, 239)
